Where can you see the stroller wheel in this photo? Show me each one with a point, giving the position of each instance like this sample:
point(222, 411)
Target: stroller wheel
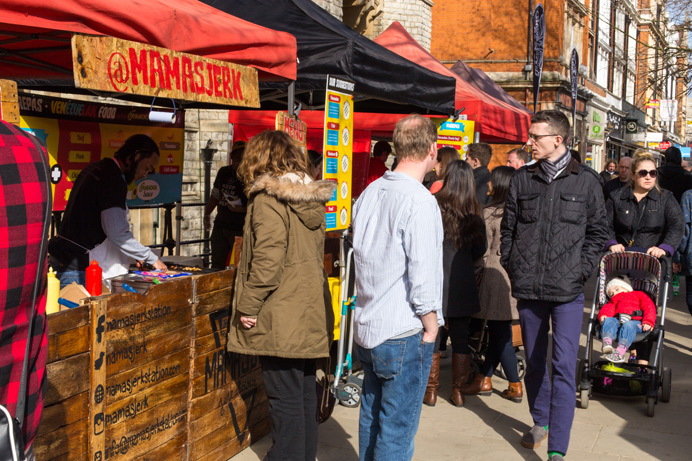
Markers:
point(348, 394)
point(650, 406)
point(584, 398)
point(521, 365)
point(666, 384)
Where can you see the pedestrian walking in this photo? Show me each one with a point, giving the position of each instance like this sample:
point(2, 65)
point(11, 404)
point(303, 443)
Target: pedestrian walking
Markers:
point(553, 230)
point(397, 240)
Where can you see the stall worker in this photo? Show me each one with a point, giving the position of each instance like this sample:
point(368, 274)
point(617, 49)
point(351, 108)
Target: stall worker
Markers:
point(377, 167)
point(96, 214)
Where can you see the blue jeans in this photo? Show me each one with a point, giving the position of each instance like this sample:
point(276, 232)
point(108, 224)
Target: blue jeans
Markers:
point(551, 397)
point(501, 350)
point(396, 373)
point(67, 276)
point(625, 334)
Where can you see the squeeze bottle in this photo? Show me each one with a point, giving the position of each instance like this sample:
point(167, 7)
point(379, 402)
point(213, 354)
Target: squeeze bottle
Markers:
point(53, 292)
point(93, 279)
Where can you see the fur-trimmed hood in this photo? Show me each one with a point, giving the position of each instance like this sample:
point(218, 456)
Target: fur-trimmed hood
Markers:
point(304, 196)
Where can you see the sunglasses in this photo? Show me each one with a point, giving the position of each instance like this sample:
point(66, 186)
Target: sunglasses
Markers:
point(644, 173)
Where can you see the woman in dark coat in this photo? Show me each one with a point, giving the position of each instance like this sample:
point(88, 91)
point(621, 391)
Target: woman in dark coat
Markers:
point(642, 215)
point(463, 247)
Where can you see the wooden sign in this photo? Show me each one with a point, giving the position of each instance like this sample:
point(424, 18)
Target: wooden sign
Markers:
point(296, 128)
point(9, 102)
point(112, 64)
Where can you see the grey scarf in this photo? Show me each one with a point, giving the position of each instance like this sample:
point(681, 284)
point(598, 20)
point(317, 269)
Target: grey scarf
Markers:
point(550, 169)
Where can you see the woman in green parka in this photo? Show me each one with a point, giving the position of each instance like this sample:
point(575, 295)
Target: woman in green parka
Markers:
point(281, 306)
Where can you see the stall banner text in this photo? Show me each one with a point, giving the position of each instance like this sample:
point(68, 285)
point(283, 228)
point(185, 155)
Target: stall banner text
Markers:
point(338, 150)
point(296, 128)
point(78, 133)
point(457, 134)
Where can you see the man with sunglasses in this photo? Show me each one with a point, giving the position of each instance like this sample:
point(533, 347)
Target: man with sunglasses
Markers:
point(553, 230)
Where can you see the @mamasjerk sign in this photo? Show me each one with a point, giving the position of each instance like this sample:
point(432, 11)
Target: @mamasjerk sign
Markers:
point(112, 64)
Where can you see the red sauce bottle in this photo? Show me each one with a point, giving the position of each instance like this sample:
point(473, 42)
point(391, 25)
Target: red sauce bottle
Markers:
point(93, 279)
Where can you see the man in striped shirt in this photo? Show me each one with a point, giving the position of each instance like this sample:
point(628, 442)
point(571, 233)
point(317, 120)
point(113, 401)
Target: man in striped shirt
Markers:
point(397, 240)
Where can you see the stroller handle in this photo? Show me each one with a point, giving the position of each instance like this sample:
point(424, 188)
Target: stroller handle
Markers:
point(665, 260)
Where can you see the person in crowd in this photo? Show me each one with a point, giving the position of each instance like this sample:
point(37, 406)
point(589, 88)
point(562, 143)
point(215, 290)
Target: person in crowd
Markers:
point(445, 155)
point(229, 197)
point(479, 156)
point(683, 257)
point(463, 249)
point(627, 313)
point(25, 191)
point(96, 212)
point(517, 158)
point(609, 171)
point(623, 178)
point(315, 159)
point(685, 164)
point(281, 309)
point(672, 176)
point(498, 306)
point(552, 232)
point(399, 302)
point(377, 167)
point(575, 155)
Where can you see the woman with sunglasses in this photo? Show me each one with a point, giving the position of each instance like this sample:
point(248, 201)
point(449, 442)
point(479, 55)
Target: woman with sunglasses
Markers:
point(642, 215)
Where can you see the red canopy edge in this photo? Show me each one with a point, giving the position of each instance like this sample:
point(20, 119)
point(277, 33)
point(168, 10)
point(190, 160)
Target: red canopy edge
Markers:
point(181, 25)
point(496, 120)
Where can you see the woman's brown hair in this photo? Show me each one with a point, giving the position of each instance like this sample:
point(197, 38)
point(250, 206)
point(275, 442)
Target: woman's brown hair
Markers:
point(446, 155)
point(272, 153)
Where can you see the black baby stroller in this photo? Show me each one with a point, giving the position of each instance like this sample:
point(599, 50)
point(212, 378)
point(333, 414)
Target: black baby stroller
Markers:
point(650, 275)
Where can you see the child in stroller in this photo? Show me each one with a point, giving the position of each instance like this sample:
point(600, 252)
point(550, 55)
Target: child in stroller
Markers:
point(627, 313)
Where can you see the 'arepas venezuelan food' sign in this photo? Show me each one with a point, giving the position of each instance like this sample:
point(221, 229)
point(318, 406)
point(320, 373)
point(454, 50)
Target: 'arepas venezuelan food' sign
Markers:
point(112, 64)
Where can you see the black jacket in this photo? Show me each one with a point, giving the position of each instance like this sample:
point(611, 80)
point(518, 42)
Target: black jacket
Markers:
point(675, 179)
point(661, 225)
point(460, 293)
point(552, 234)
point(482, 176)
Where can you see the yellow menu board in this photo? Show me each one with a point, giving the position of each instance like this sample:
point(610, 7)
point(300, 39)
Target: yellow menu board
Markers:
point(457, 134)
point(338, 150)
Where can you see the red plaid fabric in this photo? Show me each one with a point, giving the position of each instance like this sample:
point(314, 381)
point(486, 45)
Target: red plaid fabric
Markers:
point(23, 193)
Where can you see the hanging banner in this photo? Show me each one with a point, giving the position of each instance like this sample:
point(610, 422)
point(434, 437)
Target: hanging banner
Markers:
point(574, 80)
point(457, 134)
point(338, 150)
point(296, 128)
point(9, 108)
point(78, 133)
point(112, 64)
point(538, 21)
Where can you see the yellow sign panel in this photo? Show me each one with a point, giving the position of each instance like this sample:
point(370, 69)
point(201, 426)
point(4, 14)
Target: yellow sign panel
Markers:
point(112, 64)
point(78, 156)
point(457, 134)
point(77, 137)
point(338, 150)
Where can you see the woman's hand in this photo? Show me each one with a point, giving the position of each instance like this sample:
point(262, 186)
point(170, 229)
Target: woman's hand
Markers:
point(616, 248)
point(656, 252)
point(248, 322)
point(646, 327)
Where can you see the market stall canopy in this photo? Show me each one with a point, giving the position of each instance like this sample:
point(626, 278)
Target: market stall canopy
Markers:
point(327, 46)
point(35, 36)
point(496, 120)
point(480, 80)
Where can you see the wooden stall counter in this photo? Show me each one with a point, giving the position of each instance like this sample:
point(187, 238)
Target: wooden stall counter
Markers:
point(147, 376)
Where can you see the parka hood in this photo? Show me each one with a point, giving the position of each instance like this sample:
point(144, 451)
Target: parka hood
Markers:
point(305, 197)
point(673, 155)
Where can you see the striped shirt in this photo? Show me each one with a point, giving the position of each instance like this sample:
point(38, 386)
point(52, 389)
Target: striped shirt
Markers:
point(397, 241)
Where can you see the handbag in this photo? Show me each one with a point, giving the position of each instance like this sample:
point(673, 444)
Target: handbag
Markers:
point(11, 438)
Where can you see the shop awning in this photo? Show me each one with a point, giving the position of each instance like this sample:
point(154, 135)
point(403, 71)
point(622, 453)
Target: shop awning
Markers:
point(35, 35)
point(480, 80)
point(327, 46)
point(496, 120)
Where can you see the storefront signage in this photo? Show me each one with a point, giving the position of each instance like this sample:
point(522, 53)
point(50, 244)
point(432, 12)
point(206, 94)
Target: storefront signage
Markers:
point(112, 64)
point(81, 132)
point(669, 110)
point(457, 134)
point(596, 125)
point(338, 150)
point(664, 145)
point(9, 107)
point(296, 128)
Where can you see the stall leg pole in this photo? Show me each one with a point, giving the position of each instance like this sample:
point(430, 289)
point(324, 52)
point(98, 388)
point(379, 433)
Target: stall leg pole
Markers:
point(178, 226)
point(291, 98)
point(344, 308)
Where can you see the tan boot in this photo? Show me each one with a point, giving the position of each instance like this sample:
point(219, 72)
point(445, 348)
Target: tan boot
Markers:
point(430, 397)
point(460, 374)
point(481, 385)
point(514, 392)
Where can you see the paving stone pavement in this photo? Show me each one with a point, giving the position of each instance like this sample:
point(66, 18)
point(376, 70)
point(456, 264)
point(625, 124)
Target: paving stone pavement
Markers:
point(490, 428)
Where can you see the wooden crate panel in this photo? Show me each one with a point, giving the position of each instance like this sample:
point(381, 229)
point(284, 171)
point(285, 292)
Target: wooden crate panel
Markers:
point(67, 378)
point(213, 301)
point(68, 343)
point(67, 442)
point(212, 323)
point(67, 320)
point(233, 447)
point(213, 282)
point(204, 402)
point(175, 321)
point(64, 413)
point(174, 449)
point(133, 381)
point(143, 348)
point(234, 414)
point(220, 369)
